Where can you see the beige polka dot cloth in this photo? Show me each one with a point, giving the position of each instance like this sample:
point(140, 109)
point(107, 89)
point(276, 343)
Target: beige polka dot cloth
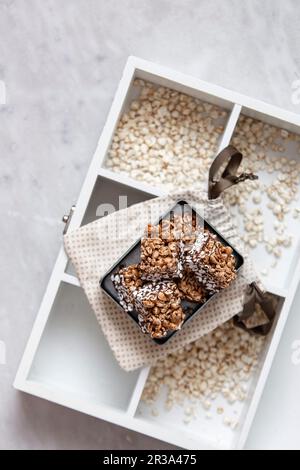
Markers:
point(95, 247)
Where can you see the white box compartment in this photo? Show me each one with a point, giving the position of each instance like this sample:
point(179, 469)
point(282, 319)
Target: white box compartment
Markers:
point(74, 357)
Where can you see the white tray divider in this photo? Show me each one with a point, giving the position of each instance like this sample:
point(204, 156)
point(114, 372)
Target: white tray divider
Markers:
point(186, 439)
point(133, 183)
point(70, 279)
point(230, 127)
point(138, 390)
point(180, 81)
point(51, 393)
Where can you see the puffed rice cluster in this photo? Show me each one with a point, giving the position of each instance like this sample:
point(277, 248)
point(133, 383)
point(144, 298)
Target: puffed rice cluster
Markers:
point(166, 138)
point(266, 149)
point(221, 362)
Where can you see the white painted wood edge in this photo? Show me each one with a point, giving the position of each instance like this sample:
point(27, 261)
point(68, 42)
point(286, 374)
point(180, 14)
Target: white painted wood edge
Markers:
point(230, 127)
point(138, 390)
point(132, 183)
point(185, 439)
point(214, 90)
point(70, 279)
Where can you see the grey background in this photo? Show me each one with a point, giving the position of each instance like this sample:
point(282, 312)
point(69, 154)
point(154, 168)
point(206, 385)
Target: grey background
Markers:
point(61, 62)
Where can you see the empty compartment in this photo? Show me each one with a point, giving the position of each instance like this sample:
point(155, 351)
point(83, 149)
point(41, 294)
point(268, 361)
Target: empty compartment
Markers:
point(74, 357)
point(109, 196)
point(267, 211)
point(167, 134)
point(215, 418)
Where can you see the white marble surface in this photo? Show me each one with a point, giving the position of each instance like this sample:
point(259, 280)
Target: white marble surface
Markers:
point(61, 61)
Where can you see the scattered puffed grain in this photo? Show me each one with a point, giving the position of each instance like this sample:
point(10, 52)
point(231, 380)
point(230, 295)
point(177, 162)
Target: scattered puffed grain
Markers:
point(206, 405)
point(227, 421)
point(154, 412)
point(256, 199)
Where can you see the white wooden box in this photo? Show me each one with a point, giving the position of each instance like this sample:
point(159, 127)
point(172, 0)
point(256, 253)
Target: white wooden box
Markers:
point(68, 361)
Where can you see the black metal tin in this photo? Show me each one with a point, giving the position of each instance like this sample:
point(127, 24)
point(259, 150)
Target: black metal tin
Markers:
point(132, 256)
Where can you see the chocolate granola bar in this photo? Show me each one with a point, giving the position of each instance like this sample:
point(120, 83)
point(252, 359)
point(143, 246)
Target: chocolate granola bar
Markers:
point(126, 281)
point(190, 288)
point(159, 308)
point(160, 257)
point(180, 227)
point(211, 261)
point(164, 244)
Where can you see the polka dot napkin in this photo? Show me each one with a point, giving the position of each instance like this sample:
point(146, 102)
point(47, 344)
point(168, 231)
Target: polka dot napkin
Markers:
point(95, 247)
